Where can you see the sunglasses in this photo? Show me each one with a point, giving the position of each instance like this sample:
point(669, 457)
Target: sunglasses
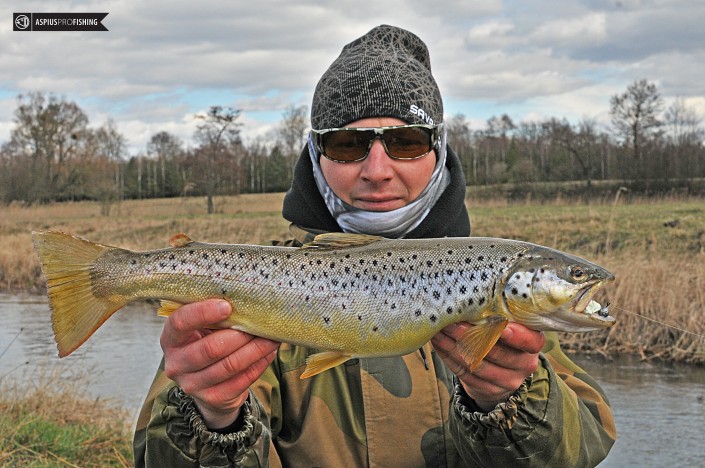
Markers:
point(400, 142)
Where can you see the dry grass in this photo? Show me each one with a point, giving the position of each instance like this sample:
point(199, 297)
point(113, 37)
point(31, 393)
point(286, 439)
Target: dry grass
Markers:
point(655, 247)
point(50, 422)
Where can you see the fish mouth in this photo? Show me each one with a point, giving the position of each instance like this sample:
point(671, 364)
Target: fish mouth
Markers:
point(584, 313)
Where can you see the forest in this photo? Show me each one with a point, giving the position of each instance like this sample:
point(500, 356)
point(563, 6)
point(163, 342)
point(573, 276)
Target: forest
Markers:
point(54, 155)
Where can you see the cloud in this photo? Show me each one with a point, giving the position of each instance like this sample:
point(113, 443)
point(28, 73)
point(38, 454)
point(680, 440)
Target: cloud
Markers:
point(161, 62)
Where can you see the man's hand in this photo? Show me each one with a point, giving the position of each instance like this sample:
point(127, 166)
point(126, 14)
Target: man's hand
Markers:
point(214, 367)
point(501, 373)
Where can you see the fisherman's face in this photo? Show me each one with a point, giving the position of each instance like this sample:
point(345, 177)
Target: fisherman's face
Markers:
point(378, 182)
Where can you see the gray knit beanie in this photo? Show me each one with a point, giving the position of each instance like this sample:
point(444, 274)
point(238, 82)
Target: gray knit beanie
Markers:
point(385, 73)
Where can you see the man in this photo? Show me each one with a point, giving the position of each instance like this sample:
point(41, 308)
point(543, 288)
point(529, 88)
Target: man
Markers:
point(228, 398)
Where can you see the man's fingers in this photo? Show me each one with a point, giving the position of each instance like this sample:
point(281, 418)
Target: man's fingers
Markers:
point(519, 337)
point(179, 328)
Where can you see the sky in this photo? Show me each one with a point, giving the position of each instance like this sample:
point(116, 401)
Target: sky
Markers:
point(161, 62)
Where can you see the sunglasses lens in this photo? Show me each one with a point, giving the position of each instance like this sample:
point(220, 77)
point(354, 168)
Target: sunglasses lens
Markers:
point(408, 142)
point(401, 143)
point(347, 145)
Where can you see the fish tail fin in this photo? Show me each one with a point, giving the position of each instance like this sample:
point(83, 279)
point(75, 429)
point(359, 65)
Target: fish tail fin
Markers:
point(76, 312)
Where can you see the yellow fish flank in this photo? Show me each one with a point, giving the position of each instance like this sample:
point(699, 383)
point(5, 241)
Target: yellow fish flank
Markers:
point(347, 295)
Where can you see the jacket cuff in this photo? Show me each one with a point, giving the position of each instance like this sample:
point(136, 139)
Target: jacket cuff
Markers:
point(234, 444)
point(502, 416)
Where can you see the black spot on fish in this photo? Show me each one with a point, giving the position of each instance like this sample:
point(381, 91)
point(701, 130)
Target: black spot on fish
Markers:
point(224, 291)
point(394, 306)
point(480, 258)
point(308, 298)
point(525, 296)
point(171, 257)
point(362, 261)
point(389, 254)
point(240, 254)
point(518, 277)
point(483, 276)
point(471, 301)
point(450, 252)
point(515, 291)
point(449, 310)
point(146, 255)
point(162, 264)
point(347, 255)
point(417, 312)
point(327, 320)
point(205, 256)
point(463, 289)
point(492, 246)
point(433, 318)
point(436, 295)
point(429, 263)
point(223, 251)
point(134, 262)
point(359, 317)
point(481, 301)
point(470, 247)
point(288, 256)
point(319, 261)
point(375, 328)
point(503, 259)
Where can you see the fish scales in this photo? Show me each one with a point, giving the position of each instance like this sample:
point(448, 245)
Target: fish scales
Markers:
point(349, 295)
point(296, 294)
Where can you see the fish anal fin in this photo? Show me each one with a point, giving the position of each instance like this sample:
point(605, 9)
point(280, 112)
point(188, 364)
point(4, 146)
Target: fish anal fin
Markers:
point(180, 240)
point(479, 340)
point(319, 362)
point(340, 240)
point(167, 307)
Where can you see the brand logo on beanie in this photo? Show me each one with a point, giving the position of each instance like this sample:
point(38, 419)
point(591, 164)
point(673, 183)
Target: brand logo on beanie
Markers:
point(416, 110)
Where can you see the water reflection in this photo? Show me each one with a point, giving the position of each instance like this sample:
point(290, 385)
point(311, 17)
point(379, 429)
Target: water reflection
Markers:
point(659, 409)
point(118, 362)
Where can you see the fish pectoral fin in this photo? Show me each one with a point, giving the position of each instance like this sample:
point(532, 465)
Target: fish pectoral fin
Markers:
point(319, 362)
point(340, 240)
point(479, 340)
point(167, 307)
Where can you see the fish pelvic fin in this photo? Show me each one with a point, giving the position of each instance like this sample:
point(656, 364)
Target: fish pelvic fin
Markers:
point(479, 340)
point(319, 362)
point(167, 307)
point(76, 312)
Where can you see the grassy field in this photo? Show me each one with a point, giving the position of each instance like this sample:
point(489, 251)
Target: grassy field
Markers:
point(656, 248)
point(61, 427)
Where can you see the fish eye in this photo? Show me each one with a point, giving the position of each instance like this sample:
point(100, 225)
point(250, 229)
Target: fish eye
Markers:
point(578, 273)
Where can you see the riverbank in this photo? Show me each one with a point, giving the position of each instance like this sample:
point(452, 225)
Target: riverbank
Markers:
point(55, 424)
point(656, 248)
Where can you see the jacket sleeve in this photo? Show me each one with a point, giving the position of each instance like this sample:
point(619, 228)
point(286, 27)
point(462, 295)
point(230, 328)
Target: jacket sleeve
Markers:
point(558, 417)
point(170, 432)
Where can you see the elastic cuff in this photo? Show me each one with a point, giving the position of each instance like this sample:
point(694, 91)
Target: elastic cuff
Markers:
point(503, 416)
point(238, 441)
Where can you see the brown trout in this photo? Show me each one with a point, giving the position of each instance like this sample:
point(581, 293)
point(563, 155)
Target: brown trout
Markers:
point(347, 295)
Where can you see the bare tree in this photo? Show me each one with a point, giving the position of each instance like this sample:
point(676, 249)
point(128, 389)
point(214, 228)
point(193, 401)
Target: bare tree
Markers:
point(218, 130)
point(291, 134)
point(50, 130)
point(683, 125)
point(165, 147)
point(635, 114)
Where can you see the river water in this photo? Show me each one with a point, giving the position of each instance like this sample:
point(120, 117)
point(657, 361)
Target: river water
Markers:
point(659, 409)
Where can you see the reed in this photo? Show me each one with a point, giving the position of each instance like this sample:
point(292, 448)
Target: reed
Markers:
point(655, 247)
point(52, 422)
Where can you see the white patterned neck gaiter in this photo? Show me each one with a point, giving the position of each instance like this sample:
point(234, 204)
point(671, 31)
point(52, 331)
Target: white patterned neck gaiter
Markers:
point(395, 223)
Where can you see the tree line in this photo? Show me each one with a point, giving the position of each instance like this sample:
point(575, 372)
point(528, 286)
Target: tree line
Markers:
point(53, 155)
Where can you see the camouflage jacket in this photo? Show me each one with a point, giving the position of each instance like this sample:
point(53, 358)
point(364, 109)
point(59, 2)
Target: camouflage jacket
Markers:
point(400, 411)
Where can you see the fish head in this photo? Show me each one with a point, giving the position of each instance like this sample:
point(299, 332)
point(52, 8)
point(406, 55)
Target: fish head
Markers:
point(550, 290)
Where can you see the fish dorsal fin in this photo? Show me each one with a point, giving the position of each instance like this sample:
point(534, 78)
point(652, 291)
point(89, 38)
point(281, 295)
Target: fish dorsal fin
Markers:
point(180, 240)
point(478, 340)
point(340, 240)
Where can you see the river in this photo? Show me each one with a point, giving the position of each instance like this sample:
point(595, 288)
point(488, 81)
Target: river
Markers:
point(659, 409)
